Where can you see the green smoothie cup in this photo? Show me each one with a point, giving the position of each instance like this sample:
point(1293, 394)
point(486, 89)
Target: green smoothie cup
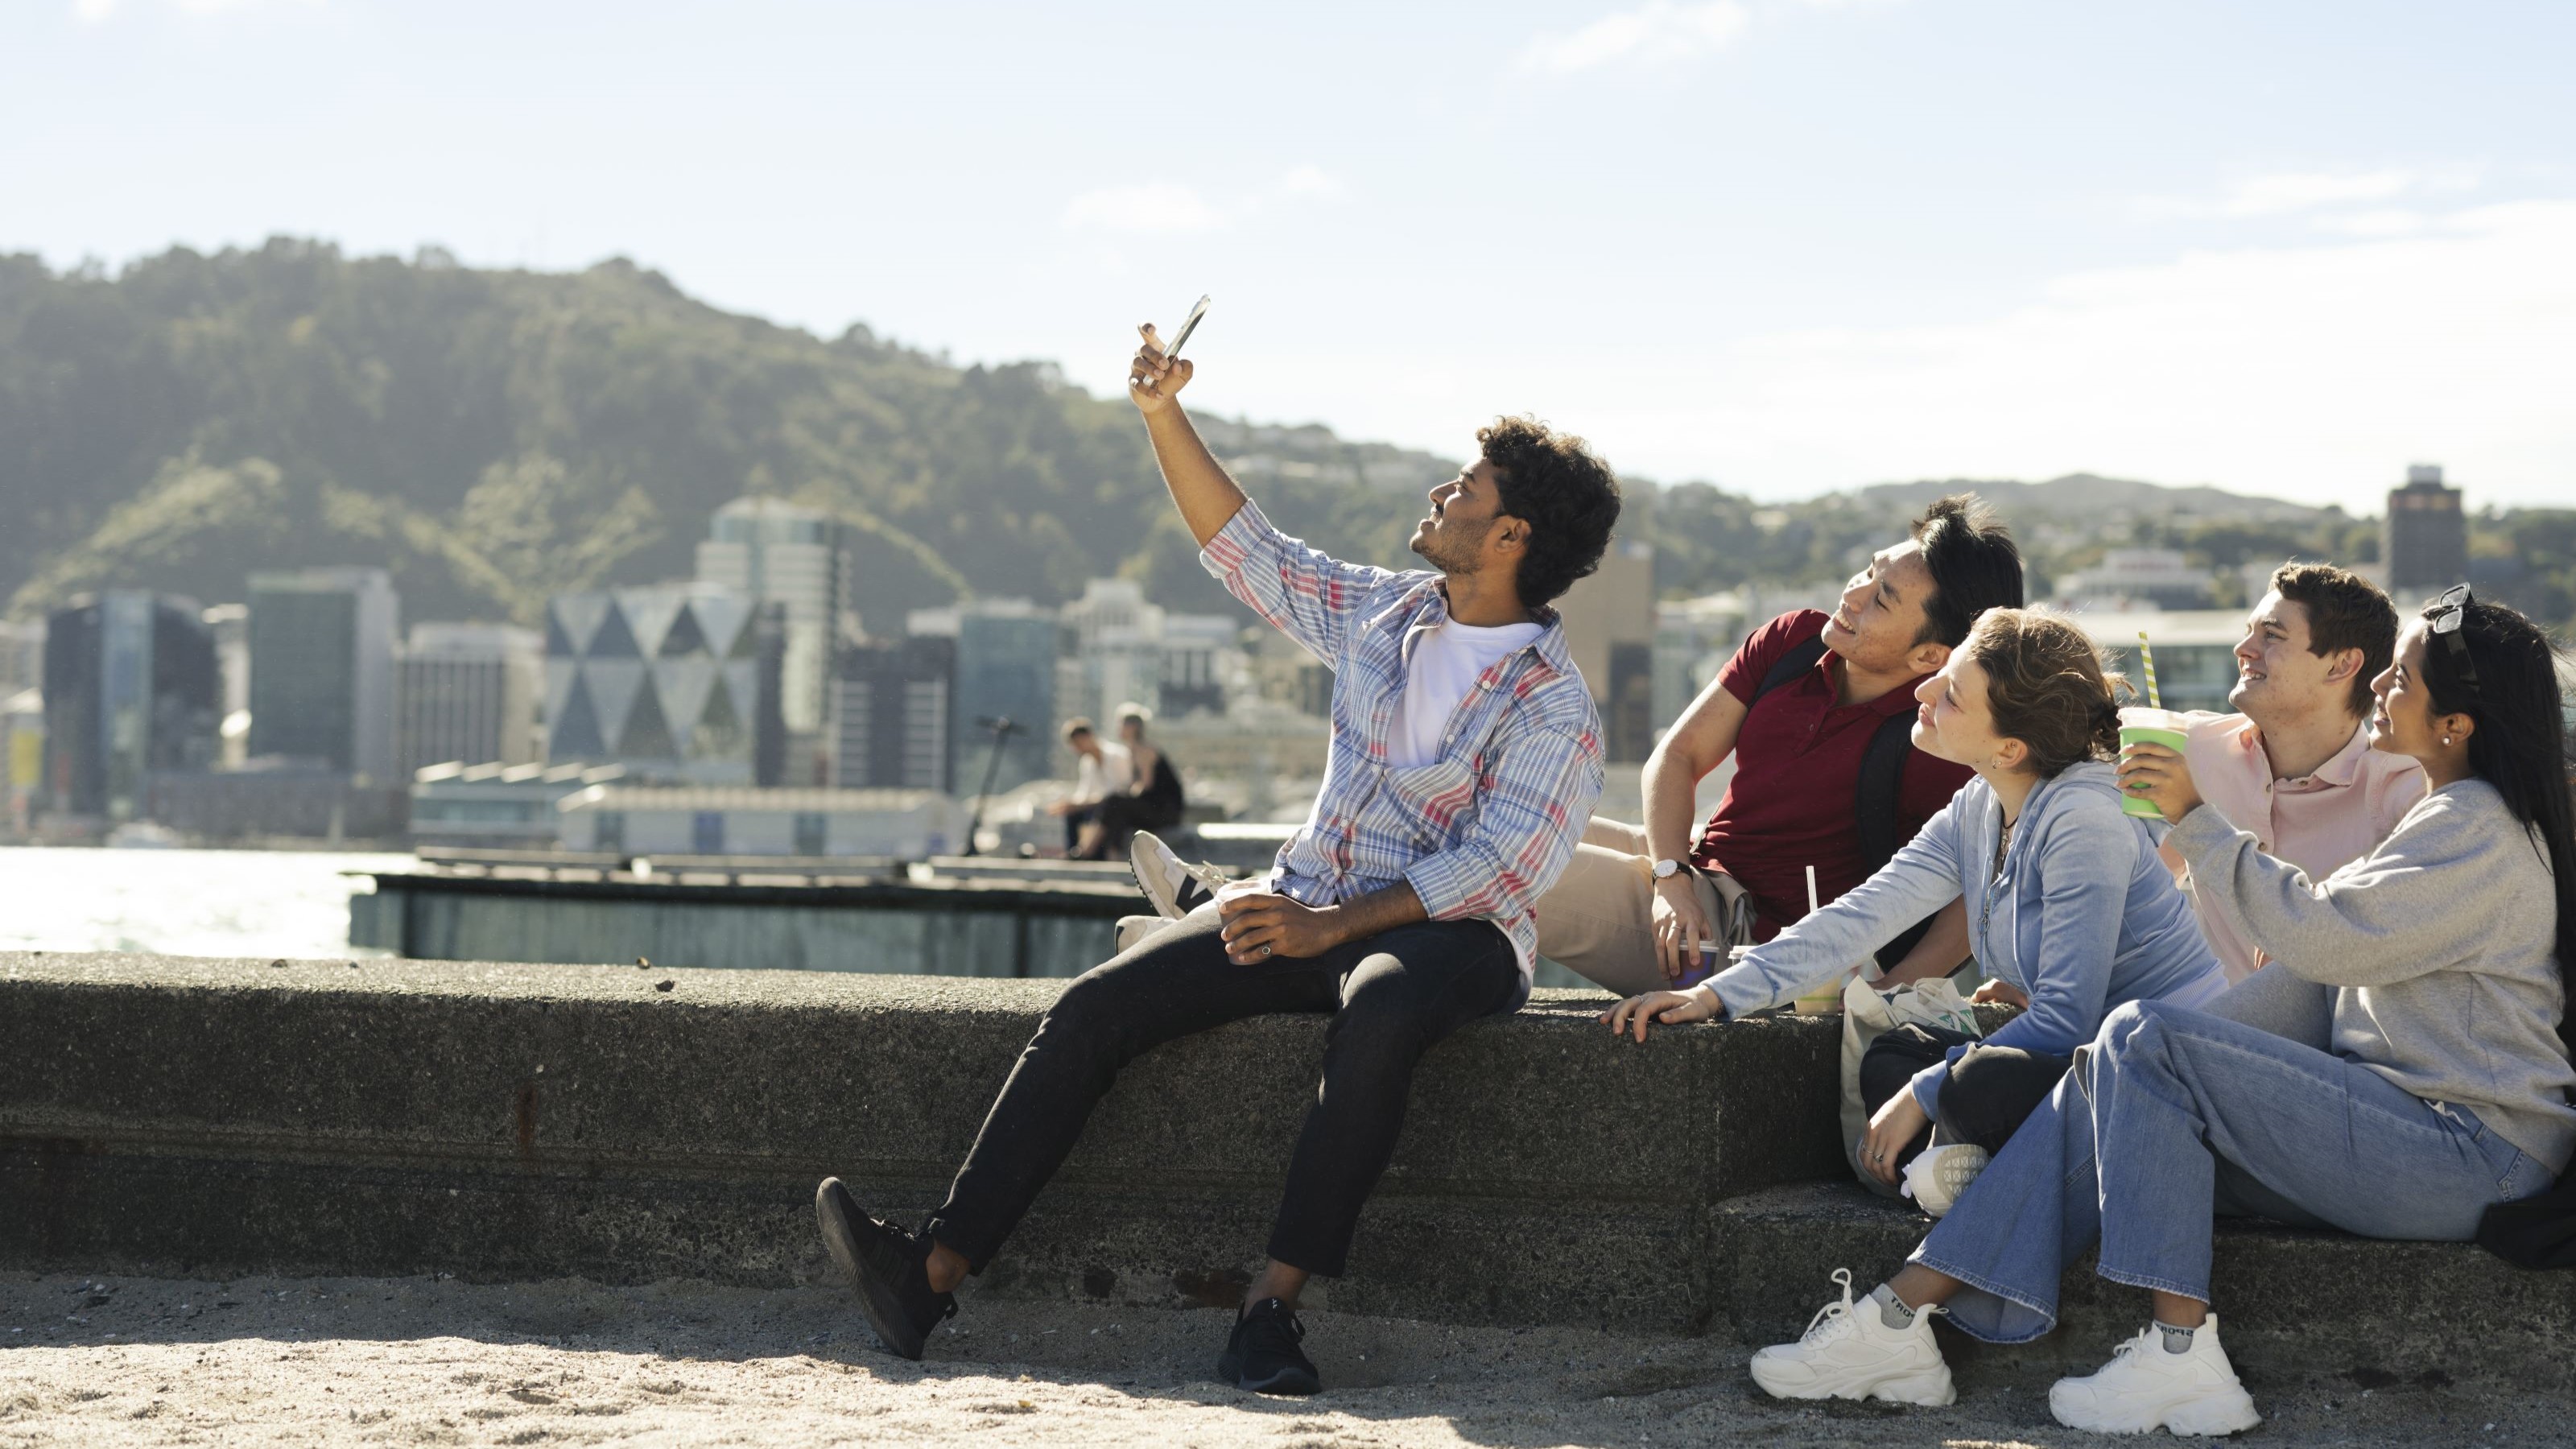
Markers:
point(2152, 727)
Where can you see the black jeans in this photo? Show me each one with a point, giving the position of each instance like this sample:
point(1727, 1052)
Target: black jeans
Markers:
point(1988, 1094)
point(1391, 996)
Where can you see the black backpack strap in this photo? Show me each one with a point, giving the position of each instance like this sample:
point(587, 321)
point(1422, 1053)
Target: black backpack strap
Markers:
point(1882, 784)
point(1882, 780)
point(1789, 666)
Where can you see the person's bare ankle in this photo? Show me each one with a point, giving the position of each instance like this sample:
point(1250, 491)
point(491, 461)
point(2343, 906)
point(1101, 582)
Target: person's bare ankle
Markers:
point(946, 1267)
point(1276, 1280)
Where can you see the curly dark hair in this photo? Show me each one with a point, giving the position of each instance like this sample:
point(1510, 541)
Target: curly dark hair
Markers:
point(1569, 498)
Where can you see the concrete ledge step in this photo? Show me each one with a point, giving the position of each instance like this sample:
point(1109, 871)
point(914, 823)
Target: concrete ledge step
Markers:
point(2298, 1305)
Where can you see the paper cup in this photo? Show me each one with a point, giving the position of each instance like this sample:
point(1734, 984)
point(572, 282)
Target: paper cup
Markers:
point(2153, 727)
point(1826, 1000)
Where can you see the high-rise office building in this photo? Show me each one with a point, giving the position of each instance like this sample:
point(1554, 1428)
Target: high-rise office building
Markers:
point(469, 695)
point(775, 552)
point(1193, 670)
point(22, 757)
point(230, 626)
point(893, 717)
point(1006, 655)
point(676, 682)
point(22, 655)
point(1610, 630)
point(2425, 540)
point(130, 689)
point(1119, 647)
point(322, 669)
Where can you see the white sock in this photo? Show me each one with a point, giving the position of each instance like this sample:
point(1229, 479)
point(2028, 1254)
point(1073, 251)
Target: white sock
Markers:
point(1891, 1309)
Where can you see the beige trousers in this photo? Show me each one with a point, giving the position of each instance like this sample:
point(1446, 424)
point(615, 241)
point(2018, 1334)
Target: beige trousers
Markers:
point(1597, 920)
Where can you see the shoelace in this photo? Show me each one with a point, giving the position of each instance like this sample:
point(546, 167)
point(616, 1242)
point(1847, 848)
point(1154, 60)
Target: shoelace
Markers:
point(1274, 1327)
point(1831, 1318)
point(2137, 1345)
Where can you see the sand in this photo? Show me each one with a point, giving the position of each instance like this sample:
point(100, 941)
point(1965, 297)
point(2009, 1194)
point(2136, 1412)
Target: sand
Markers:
point(125, 1361)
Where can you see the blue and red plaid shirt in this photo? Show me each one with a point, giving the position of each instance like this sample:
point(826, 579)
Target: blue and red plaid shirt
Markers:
point(1482, 831)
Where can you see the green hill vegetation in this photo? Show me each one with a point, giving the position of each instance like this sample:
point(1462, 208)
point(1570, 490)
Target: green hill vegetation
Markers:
point(493, 437)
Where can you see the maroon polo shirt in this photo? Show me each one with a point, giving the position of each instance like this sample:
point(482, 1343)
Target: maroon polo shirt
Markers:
point(1794, 799)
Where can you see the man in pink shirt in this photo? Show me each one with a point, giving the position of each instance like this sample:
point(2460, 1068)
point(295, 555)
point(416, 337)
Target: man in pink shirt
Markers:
point(2296, 767)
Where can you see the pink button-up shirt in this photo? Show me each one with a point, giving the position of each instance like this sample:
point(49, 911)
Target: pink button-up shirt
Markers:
point(2316, 822)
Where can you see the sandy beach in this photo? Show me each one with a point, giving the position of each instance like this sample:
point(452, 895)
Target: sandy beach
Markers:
point(124, 1361)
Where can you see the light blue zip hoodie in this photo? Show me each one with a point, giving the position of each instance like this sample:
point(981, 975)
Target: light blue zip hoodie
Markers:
point(2083, 918)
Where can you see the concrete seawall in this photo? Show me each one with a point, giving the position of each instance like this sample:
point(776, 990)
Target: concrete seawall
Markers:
point(512, 1121)
point(508, 1122)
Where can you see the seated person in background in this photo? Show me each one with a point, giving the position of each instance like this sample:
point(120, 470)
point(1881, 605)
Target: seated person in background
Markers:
point(1465, 754)
point(1100, 769)
point(1152, 802)
point(1816, 709)
point(2397, 1069)
point(2066, 902)
point(2296, 769)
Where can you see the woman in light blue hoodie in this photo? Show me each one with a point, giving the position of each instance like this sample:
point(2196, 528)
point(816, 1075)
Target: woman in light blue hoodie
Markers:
point(2068, 906)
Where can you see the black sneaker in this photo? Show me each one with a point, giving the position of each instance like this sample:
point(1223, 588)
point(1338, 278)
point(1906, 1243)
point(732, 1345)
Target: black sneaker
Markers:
point(1262, 1355)
point(888, 1266)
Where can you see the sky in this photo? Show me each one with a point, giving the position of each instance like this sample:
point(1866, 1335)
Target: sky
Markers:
point(1786, 246)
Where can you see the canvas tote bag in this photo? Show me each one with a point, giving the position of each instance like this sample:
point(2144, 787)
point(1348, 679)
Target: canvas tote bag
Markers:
point(1868, 1012)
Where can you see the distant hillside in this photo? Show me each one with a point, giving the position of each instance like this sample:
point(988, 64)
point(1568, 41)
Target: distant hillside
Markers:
point(493, 437)
point(2085, 495)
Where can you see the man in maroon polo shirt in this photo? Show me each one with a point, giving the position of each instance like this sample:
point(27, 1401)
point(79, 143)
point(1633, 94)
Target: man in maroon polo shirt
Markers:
point(1817, 709)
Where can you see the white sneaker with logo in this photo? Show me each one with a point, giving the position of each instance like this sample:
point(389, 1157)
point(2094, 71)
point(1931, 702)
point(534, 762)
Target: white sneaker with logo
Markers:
point(2143, 1388)
point(1175, 886)
point(1937, 1175)
point(1849, 1352)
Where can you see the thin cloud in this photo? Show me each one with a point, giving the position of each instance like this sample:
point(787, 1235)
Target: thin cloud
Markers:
point(2292, 193)
point(1656, 31)
point(91, 12)
point(2313, 371)
point(1168, 208)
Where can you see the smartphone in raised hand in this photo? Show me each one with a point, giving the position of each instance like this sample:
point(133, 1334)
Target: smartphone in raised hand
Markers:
point(1188, 325)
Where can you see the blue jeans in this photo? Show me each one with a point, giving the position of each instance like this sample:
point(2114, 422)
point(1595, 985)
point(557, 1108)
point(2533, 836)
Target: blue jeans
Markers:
point(2173, 1117)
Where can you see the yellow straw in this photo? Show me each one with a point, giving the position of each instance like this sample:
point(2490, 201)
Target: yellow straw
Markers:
point(2147, 657)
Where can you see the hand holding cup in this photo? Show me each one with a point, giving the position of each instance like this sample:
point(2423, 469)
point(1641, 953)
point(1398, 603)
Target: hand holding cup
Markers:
point(2155, 779)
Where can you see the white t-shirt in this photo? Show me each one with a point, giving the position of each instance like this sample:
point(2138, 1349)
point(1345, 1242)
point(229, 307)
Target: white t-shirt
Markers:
point(1111, 774)
point(1445, 663)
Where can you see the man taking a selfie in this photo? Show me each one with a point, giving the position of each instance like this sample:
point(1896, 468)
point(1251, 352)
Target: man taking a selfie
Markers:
point(1465, 758)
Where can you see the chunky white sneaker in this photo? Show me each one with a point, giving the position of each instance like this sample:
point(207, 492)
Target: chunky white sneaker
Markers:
point(1849, 1352)
point(2143, 1388)
point(1132, 930)
point(1937, 1175)
point(1175, 886)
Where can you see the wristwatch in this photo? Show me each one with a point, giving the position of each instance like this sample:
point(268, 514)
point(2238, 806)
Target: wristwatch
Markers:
point(1665, 869)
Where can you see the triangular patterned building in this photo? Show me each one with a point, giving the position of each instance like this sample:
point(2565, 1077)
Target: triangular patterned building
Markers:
point(676, 682)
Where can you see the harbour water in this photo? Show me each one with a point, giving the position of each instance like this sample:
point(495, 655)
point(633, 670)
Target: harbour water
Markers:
point(183, 902)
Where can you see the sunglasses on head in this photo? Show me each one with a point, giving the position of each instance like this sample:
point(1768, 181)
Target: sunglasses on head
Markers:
point(2454, 604)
